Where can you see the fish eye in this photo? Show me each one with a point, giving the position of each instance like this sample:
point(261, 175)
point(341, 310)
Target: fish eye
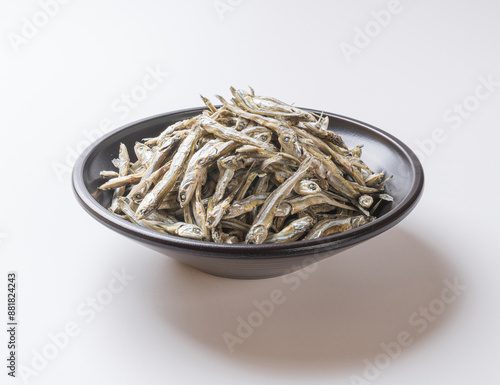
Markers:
point(183, 197)
point(286, 139)
point(312, 186)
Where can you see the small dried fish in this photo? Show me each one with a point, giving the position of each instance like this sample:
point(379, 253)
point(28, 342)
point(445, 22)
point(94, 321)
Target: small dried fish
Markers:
point(121, 181)
point(334, 226)
point(123, 164)
point(153, 198)
point(256, 170)
point(258, 232)
point(293, 231)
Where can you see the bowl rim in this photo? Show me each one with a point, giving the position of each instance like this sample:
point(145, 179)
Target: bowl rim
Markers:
point(221, 250)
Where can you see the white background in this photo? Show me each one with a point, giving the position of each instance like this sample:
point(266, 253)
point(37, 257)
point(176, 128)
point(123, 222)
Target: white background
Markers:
point(167, 324)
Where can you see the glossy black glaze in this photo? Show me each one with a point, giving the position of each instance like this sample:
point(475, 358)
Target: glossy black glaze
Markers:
point(381, 151)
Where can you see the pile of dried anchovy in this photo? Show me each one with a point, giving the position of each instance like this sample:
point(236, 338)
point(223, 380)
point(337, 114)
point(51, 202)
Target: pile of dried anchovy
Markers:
point(255, 170)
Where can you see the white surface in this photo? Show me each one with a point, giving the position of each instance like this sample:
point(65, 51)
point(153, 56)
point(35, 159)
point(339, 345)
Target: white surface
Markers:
point(166, 325)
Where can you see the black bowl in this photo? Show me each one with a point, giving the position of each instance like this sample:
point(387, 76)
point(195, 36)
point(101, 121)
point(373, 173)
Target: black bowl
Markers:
point(381, 151)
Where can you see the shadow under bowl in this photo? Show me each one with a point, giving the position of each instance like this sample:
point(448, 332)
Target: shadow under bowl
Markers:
point(381, 151)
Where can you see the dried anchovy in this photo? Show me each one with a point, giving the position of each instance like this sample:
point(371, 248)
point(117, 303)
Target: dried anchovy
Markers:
point(256, 170)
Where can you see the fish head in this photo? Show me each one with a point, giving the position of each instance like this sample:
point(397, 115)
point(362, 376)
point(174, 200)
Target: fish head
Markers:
point(290, 143)
point(307, 187)
point(256, 235)
point(233, 162)
point(186, 189)
point(303, 224)
point(190, 231)
point(146, 207)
